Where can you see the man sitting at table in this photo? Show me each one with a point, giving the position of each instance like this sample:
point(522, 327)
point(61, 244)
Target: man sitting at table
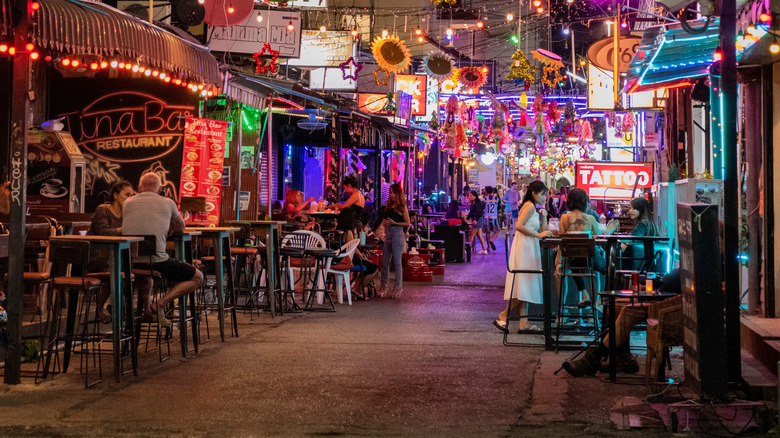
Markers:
point(628, 317)
point(148, 213)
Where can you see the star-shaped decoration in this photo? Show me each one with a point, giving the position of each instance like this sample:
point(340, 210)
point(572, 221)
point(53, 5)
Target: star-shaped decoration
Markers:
point(262, 68)
point(345, 68)
point(385, 81)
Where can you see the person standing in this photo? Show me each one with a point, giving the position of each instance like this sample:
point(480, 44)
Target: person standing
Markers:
point(491, 216)
point(350, 209)
point(525, 254)
point(476, 218)
point(395, 220)
point(512, 201)
point(148, 213)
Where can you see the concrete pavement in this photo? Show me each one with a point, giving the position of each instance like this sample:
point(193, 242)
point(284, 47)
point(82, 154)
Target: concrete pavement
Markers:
point(427, 364)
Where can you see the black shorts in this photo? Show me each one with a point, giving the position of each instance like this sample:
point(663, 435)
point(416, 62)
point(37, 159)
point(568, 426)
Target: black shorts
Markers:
point(172, 269)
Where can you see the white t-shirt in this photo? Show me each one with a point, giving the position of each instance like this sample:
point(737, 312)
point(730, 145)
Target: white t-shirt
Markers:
point(148, 213)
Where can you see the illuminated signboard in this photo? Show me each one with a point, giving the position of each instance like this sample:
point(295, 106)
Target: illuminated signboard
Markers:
point(249, 36)
point(415, 86)
point(324, 49)
point(606, 180)
point(373, 103)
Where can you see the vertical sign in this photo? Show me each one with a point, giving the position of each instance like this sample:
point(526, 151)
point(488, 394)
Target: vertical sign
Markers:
point(201, 166)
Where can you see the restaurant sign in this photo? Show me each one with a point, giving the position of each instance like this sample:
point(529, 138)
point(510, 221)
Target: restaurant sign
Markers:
point(324, 49)
point(202, 166)
point(250, 36)
point(607, 180)
point(124, 129)
point(373, 103)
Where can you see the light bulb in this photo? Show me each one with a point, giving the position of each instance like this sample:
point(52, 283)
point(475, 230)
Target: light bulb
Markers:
point(420, 39)
point(259, 18)
point(384, 33)
point(539, 10)
point(323, 28)
point(480, 24)
point(290, 26)
point(565, 30)
point(510, 17)
point(230, 9)
point(449, 32)
point(354, 33)
point(418, 31)
point(774, 48)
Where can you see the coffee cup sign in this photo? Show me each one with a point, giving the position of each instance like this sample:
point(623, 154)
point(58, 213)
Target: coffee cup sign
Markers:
point(53, 185)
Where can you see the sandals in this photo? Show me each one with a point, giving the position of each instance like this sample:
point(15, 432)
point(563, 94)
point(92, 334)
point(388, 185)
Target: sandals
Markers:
point(104, 317)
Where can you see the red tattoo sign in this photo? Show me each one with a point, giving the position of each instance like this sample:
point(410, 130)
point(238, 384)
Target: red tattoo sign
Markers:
point(606, 180)
point(201, 166)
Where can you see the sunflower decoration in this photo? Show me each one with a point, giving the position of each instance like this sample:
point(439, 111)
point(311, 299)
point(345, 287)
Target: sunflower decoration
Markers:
point(472, 77)
point(391, 53)
point(439, 66)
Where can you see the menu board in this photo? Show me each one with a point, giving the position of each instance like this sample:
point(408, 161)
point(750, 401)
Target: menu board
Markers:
point(201, 167)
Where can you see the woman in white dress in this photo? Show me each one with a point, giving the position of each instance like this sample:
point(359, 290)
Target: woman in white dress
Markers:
point(531, 226)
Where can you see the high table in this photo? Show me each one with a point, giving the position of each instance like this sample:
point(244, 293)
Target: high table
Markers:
point(221, 238)
point(181, 242)
point(271, 252)
point(116, 246)
point(428, 218)
point(638, 296)
point(611, 249)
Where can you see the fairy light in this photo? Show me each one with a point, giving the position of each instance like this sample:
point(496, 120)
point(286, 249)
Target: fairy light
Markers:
point(114, 64)
point(75, 63)
point(12, 51)
point(354, 33)
point(135, 69)
point(290, 26)
point(384, 33)
point(29, 46)
point(94, 65)
point(148, 73)
point(259, 18)
point(121, 65)
point(418, 31)
point(34, 55)
point(3, 48)
point(323, 28)
point(103, 64)
point(510, 17)
point(230, 9)
point(35, 6)
point(774, 48)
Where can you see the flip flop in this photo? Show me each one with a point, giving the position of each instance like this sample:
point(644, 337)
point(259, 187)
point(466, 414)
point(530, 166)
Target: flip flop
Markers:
point(533, 330)
point(500, 326)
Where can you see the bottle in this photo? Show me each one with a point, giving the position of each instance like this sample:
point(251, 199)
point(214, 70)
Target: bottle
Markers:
point(649, 283)
point(321, 204)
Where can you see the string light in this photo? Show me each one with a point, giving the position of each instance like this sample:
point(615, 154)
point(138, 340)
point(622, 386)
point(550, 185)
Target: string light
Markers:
point(510, 17)
point(385, 33)
point(418, 31)
point(29, 46)
point(290, 26)
point(765, 18)
point(354, 33)
point(3, 48)
point(323, 28)
point(480, 24)
point(34, 55)
point(718, 55)
point(540, 10)
point(35, 6)
point(565, 30)
point(231, 9)
point(259, 18)
point(774, 48)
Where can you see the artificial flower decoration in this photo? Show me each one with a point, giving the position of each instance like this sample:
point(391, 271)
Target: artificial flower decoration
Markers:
point(270, 67)
point(472, 77)
point(384, 81)
point(344, 66)
point(439, 66)
point(522, 72)
point(391, 53)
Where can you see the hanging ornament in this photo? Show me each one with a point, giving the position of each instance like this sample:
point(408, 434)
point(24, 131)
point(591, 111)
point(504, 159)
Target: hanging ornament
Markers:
point(439, 2)
point(521, 72)
point(472, 77)
point(434, 122)
point(389, 104)
point(391, 53)
point(270, 67)
point(449, 129)
point(570, 112)
point(524, 99)
point(439, 66)
point(344, 66)
point(551, 76)
point(385, 81)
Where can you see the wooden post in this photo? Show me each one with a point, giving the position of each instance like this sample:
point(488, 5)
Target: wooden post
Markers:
point(20, 108)
point(752, 88)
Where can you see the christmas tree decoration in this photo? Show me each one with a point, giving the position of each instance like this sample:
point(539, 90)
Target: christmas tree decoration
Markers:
point(434, 122)
point(344, 66)
point(472, 77)
point(390, 106)
point(521, 72)
point(391, 53)
point(439, 66)
point(261, 66)
point(385, 81)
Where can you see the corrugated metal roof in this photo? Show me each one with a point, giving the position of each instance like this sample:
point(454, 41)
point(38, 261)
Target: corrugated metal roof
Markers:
point(93, 28)
point(668, 57)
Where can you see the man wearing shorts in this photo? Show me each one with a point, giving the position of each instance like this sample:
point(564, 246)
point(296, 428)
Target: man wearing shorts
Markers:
point(149, 213)
point(491, 216)
point(512, 199)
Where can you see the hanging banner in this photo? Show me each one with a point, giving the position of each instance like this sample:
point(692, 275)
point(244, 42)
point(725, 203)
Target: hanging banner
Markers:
point(201, 167)
point(324, 49)
point(249, 36)
point(605, 180)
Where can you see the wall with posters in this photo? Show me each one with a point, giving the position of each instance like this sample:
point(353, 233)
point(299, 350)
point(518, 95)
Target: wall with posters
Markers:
point(125, 128)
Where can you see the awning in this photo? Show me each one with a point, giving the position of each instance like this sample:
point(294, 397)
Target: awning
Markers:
point(268, 86)
point(669, 57)
point(92, 28)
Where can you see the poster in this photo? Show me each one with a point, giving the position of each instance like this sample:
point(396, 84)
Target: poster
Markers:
point(247, 157)
point(202, 166)
point(48, 174)
point(415, 86)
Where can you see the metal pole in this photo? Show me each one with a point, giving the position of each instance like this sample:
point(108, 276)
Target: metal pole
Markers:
point(238, 154)
point(615, 50)
point(151, 12)
point(20, 108)
point(728, 87)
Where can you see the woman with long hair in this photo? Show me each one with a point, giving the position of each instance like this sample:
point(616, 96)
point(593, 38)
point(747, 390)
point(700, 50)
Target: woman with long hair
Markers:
point(395, 220)
point(107, 221)
point(476, 218)
point(577, 220)
point(525, 254)
point(350, 209)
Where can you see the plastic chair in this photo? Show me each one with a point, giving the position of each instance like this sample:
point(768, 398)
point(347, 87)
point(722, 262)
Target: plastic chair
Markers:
point(342, 276)
point(514, 273)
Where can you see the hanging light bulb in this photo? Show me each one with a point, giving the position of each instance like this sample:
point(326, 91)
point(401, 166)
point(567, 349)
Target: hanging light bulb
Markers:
point(774, 48)
point(3, 48)
point(718, 55)
point(484, 69)
point(230, 9)
point(565, 30)
point(290, 26)
point(448, 32)
point(35, 55)
point(323, 28)
point(510, 17)
point(201, 1)
point(480, 24)
point(418, 31)
point(384, 33)
point(540, 10)
point(765, 18)
point(354, 33)
point(259, 18)
point(420, 39)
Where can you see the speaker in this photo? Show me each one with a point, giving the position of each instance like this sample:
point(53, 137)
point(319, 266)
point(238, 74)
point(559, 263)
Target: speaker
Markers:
point(701, 90)
point(190, 12)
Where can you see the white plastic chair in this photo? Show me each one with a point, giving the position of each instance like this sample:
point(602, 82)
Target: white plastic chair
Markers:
point(313, 240)
point(343, 276)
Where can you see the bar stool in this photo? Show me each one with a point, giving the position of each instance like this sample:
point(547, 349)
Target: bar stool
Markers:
point(322, 257)
point(244, 269)
point(75, 254)
point(574, 250)
point(144, 271)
